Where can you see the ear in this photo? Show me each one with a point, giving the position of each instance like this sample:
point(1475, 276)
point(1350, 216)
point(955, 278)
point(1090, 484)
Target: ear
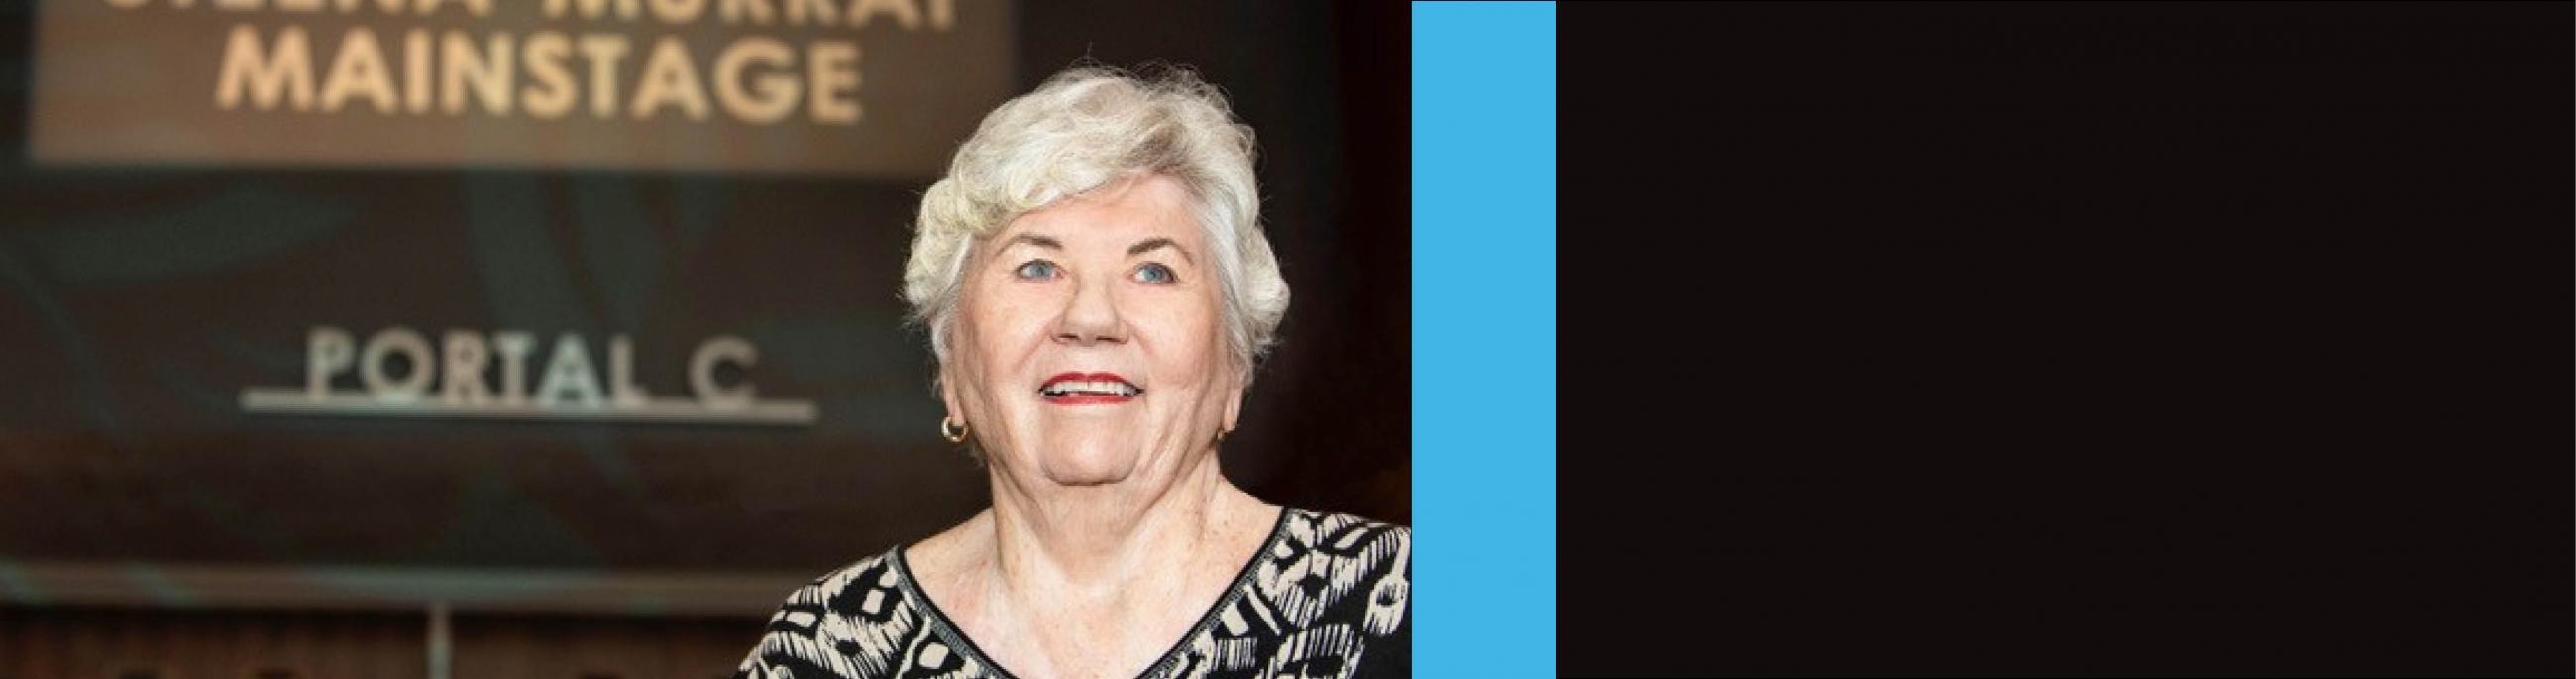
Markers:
point(948, 393)
point(1234, 402)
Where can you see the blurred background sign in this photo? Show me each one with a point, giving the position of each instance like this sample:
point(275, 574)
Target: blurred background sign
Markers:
point(880, 88)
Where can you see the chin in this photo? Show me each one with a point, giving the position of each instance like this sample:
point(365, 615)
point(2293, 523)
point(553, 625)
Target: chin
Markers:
point(1087, 465)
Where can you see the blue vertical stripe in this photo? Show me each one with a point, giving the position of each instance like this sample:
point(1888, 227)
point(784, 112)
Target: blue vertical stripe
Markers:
point(1484, 339)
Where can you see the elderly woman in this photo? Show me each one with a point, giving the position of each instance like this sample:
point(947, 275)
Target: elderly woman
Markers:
point(1097, 290)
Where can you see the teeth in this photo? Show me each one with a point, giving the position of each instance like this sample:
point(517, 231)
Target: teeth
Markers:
point(1091, 387)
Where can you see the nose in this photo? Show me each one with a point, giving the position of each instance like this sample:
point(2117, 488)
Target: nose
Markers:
point(1091, 315)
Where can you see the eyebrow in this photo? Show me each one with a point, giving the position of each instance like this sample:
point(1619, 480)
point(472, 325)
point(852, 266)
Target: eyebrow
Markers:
point(1044, 241)
point(1141, 247)
point(1150, 243)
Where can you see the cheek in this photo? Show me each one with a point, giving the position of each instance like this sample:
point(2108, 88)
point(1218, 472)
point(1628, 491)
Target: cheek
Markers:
point(1000, 329)
point(1186, 337)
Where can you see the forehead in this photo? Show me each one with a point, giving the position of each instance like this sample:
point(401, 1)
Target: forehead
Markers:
point(1123, 212)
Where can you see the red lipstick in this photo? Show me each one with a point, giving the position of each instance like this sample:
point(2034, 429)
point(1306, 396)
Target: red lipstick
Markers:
point(1096, 388)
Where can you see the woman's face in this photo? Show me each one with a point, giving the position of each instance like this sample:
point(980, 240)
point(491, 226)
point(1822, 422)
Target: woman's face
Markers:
point(1087, 348)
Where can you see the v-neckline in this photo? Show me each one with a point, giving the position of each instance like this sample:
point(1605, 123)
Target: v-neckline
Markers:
point(948, 628)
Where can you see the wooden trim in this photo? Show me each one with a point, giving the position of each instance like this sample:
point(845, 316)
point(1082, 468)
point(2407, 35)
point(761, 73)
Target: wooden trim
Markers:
point(409, 589)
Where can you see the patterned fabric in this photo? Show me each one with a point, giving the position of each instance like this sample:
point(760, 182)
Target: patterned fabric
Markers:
point(1327, 597)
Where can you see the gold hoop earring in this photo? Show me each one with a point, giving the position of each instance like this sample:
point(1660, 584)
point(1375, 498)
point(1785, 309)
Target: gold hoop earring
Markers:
point(954, 435)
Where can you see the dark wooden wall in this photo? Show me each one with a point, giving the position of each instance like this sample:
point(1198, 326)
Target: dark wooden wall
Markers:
point(141, 643)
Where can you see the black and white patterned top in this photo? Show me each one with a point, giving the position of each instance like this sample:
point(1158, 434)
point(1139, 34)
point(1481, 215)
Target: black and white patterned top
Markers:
point(1327, 596)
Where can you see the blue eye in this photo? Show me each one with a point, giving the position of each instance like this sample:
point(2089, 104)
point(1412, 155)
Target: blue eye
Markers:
point(1156, 274)
point(1036, 268)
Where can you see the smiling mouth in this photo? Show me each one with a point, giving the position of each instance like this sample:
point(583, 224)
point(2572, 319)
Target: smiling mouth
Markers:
point(1088, 388)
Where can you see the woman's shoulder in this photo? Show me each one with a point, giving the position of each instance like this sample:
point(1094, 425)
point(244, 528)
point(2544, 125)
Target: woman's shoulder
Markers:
point(1338, 517)
point(1325, 566)
point(858, 621)
point(1329, 590)
point(1302, 528)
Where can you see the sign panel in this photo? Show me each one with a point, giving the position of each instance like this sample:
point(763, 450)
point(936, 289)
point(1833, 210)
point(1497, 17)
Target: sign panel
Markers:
point(872, 88)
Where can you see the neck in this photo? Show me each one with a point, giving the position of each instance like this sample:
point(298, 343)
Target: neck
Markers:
point(1094, 541)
